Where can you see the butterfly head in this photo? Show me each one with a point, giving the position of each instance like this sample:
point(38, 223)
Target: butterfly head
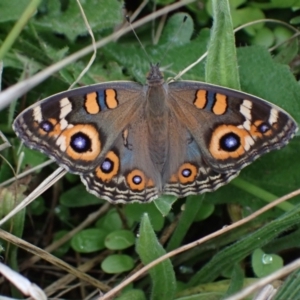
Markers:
point(155, 76)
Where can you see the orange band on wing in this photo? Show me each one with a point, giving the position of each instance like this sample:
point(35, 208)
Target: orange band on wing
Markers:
point(91, 103)
point(220, 105)
point(200, 100)
point(111, 98)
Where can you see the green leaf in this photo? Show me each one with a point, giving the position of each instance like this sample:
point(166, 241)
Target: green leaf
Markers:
point(63, 213)
point(264, 264)
point(192, 207)
point(245, 246)
point(135, 211)
point(247, 15)
point(63, 249)
point(117, 263)
point(205, 211)
point(236, 282)
point(32, 157)
point(264, 37)
point(162, 275)
point(285, 3)
point(89, 240)
point(288, 53)
point(176, 32)
point(221, 65)
point(119, 240)
point(37, 207)
point(100, 15)
point(164, 203)
point(295, 20)
point(290, 287)
point(133, 294)
point(110, 222)
point(11, 10)
point(78, 196)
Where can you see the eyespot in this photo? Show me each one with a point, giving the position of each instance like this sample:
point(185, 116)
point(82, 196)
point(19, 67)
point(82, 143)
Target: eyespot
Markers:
point(109, 167)
point(46, 126)
point(186, 173)
point(80, 142)
point(138, 181)
point(264, 127)
point(230, 142)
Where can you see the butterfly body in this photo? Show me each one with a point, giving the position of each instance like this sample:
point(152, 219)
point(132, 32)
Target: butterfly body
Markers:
point(130, 142)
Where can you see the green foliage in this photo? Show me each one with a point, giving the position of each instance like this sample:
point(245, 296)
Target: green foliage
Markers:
point(89, 240)
point(117, 263)
point(119, 239)
point(149, 249)
point(264, 264)
point(57, 30)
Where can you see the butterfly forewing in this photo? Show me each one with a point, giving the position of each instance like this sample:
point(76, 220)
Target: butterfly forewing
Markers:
point(231, 128)
point(77, 127)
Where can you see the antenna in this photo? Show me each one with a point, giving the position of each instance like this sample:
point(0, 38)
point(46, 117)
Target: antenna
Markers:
point(168, 46)
point(172, 40)
point(141, 44)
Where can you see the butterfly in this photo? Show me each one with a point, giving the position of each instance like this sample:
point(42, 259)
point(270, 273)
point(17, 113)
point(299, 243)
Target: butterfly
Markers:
point(131, 142)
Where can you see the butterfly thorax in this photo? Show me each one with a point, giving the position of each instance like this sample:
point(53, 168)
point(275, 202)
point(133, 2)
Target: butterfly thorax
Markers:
point(157, 113)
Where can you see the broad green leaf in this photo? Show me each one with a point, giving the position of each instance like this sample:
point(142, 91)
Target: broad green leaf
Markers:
point(285, 3)
point(11, 10)
point(164, 203)
point(62, 213)
point(205, 211)
point(176, 32)
point(264, 37)
point(162, 275)
point(78, 196)
point(176, 59)
point(264, 264)
point(89, 240)
point(135, 212)
point(119, 240)
point(32, 157)
point(111, 221)
point(117, 263)
point(221, 64)
point(133, 294)
point(100, 15)
point(246, 15)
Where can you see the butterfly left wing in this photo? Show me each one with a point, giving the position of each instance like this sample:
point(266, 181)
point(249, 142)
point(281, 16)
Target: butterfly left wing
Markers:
point(230, 127)
point(77, 127)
